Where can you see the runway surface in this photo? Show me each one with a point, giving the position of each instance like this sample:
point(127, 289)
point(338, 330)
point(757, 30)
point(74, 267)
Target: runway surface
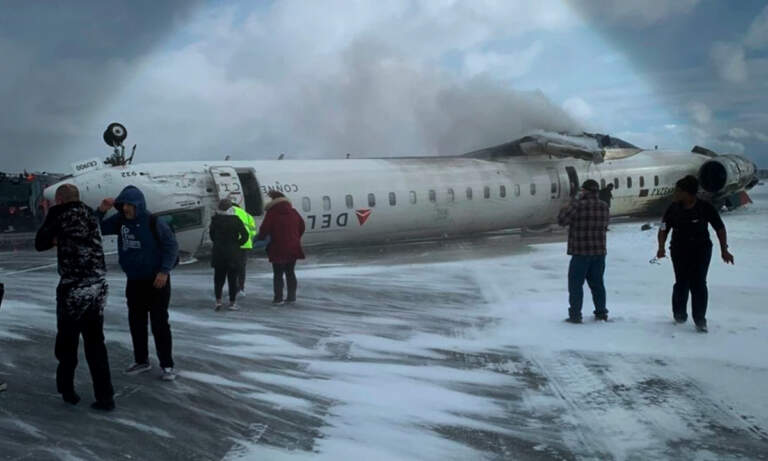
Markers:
point(436, 351)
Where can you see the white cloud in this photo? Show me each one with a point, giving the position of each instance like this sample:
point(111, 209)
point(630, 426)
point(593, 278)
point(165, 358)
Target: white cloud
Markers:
point(757, 35)
point(762, 137)
point(729, 62)
point(578, 108)
point(739, 133)
point(700, 112)
point(670, 126)
point(729, 147)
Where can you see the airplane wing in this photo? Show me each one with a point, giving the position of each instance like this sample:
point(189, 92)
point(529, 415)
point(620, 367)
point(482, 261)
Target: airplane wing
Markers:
point(586, 146)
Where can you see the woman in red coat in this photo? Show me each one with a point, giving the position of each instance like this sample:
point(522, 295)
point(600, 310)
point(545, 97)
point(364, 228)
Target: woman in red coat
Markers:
point(285, 226)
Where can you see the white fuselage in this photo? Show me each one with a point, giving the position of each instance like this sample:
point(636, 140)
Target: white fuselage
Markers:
point(353, 201)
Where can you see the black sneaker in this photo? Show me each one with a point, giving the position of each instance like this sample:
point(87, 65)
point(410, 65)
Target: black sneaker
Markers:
point(601, 317)
point(681, 319)
point(573, 320)
point(701, 327)
point(103, 406)
point(71, 397)
point(277, 301)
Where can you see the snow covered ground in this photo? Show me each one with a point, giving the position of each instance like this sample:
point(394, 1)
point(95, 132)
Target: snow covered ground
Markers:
point(443, 351)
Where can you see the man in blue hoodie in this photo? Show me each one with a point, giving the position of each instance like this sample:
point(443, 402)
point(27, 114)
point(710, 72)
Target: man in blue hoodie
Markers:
point(148, 252)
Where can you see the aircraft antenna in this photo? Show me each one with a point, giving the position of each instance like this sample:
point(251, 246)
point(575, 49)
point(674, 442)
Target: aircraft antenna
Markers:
point(133, 152)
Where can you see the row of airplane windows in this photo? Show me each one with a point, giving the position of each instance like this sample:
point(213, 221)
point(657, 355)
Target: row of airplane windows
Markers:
point(306, 202)
point(617, 183)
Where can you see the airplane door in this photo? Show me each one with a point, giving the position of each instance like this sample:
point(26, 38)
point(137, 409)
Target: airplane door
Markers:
point(554, 180)
point(227, 184)
point(573, 178)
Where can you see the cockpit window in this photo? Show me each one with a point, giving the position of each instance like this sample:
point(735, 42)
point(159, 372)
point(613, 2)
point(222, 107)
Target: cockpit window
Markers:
point(181, 220)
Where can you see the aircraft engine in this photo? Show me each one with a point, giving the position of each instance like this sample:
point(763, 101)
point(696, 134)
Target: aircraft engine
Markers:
point(726, 174)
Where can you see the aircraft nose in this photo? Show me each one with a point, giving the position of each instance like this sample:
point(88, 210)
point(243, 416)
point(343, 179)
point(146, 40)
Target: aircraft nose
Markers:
point(50, 192)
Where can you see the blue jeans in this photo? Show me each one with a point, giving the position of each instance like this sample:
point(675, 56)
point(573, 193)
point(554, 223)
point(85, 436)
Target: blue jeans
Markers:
point(591, 269)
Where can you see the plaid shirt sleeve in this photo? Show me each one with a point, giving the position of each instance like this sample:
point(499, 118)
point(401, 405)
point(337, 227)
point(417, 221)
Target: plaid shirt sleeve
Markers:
point(566, 214)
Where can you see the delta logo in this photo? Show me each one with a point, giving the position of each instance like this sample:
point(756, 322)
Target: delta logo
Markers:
point(363, 215)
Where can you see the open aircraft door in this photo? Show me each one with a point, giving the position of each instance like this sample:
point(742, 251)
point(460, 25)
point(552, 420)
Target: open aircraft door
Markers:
point(227, 184)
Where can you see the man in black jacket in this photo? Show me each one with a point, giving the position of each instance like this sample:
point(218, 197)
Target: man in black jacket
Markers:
point(72, 228)
point(689, 219)
point(228, 234)
point(606, 194)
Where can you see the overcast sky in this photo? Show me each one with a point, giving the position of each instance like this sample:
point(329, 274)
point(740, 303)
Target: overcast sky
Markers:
point(310, 79)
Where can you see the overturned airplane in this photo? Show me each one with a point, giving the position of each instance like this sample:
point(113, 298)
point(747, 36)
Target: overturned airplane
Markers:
point(522, 183)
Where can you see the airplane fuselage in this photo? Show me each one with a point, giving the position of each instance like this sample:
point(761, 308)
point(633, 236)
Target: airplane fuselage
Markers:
point(358, 201)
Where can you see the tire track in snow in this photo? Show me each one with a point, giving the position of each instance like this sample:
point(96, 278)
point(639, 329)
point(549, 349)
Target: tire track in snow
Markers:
point(625, 407)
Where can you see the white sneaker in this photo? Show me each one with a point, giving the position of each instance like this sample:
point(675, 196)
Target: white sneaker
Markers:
point(242, 292)
point(169, 374)
point(219, 305)
point(137, 368)
point(233, 307)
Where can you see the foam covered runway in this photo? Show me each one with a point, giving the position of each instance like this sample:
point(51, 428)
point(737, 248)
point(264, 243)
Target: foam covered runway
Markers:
point(452, 350)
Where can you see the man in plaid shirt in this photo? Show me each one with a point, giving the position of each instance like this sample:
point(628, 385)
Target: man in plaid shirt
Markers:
point(587, 221)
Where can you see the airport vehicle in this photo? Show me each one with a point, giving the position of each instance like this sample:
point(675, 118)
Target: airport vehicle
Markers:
point(520, 184)
point(22, 207)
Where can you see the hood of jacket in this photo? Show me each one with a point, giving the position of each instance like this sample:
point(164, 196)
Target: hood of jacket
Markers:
point(279, 205)
point(132, 196)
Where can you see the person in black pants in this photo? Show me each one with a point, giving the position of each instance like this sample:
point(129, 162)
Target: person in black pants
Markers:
point(691, 249)
point(3, 386)
point(287, 270)
point(148, 252)
point(284, 226)
point(80, 296)
point(228, 234)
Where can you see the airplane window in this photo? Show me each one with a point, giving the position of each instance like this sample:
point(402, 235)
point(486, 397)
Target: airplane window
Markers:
point(432, 196)
point(616, 183)
point(451, 195)
point(553, 188)
point(602, 184)
point(413, 197)
point(306, 205)
point(183, 219)
point(642, 181)
point(517, 190)
point(350, 202)
point(392, 199)
point(533, 189)
point(371, 200)
point(486, 192)
point(655, 180)
point(326, 203)
point(469, 193)
point(629, 183)
point(502, 191)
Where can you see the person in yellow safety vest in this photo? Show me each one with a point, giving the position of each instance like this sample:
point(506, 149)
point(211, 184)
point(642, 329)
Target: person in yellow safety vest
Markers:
point(250, 226)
